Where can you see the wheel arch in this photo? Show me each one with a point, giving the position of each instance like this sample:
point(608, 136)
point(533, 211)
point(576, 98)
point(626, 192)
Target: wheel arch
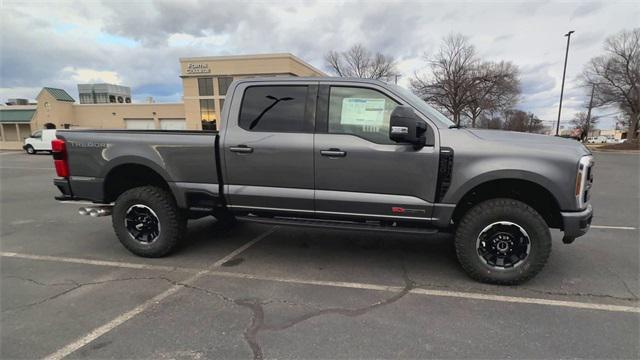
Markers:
point(529, 192)
point(124, 175)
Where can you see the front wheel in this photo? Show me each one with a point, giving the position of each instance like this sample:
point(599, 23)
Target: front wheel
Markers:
point(147, 221)
point(502, 241)
point(30, 150)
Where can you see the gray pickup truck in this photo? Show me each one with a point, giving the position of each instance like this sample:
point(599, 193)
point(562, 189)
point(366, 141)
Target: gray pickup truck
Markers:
point(339, 153)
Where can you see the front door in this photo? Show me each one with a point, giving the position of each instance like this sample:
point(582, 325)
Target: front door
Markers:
point(268, 148)
point(359, 170)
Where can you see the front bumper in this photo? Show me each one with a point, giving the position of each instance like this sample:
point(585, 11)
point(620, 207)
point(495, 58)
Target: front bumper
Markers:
point(576, 224)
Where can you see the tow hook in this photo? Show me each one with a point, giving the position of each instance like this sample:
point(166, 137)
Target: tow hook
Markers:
point(568, 239)
point(95, 211)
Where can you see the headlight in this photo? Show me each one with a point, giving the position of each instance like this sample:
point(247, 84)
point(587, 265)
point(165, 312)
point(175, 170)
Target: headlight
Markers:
point(584, 180)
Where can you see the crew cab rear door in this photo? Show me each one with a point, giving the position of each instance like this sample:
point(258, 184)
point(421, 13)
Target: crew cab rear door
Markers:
point(268, 147)
point(360, 172)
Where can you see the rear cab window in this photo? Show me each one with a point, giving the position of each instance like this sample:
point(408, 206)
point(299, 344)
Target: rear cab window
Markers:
point(279, 108)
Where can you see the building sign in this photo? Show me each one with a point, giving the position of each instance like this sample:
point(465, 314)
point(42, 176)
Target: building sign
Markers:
point(198, 69)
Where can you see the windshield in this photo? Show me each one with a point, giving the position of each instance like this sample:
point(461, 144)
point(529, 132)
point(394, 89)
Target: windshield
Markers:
point(422, 106)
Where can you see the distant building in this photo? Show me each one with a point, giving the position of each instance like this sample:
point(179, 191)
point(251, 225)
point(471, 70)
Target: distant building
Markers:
point(104, 94)
point(15, 124)
point(13, 102)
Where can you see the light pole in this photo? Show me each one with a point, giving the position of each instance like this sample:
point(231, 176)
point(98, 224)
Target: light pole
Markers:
point(564, 72)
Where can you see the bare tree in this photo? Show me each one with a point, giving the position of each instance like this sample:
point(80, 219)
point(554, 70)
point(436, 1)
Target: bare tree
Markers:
point(452, 74)
point(490, 120)
point(580, 122)
point(494, 86)
point(518, 120)
point(460, 84)
point(616, 76)
point(361, 63)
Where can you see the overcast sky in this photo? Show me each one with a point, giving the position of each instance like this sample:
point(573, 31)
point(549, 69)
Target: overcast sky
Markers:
point(138, 43)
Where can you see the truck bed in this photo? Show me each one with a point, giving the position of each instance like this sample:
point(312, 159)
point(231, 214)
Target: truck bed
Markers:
point(186, 160)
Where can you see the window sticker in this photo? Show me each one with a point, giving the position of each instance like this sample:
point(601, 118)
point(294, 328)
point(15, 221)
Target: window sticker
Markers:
point(364, 112)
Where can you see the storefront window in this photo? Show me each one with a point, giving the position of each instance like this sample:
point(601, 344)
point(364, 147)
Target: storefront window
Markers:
point(223, 84)
point(208, 114)
point(205, 86)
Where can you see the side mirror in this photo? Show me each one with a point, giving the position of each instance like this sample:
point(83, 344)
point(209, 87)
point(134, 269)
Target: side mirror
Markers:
point(406, 127)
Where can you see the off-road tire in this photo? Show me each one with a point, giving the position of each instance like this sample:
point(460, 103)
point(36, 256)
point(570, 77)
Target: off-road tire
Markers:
point(172, 221)
point(488, 212)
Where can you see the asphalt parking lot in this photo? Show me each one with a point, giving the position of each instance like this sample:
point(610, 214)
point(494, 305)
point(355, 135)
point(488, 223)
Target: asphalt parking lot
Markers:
point(69, 289)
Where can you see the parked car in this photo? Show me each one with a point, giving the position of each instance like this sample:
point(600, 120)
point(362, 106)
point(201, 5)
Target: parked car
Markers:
point(337, 153)
point(40, 140)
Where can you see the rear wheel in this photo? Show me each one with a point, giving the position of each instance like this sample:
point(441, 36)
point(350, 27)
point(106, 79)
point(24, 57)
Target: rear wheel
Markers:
point(147, 221)
point(502, 241)
point(30, 150)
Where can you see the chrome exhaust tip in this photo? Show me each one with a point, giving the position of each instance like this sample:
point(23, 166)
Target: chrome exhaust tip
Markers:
point(104, 211)
point(96, 211)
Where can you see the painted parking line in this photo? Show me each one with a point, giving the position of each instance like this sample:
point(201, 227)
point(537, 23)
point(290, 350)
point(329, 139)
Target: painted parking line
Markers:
point(436, 292)
point(119, 320)
point(613, 227)
point(26, 168)
point(340, 284)
point(117, 264)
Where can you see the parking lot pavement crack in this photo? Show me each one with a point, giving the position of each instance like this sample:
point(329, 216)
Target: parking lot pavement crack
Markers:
point(66, 283)
point(258, 324)
point(206, 291)
point(75, 286)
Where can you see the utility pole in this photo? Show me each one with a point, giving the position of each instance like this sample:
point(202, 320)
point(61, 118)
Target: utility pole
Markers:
point(564, 72)
point(530, 121)
point(397, 76)
point(593, 89)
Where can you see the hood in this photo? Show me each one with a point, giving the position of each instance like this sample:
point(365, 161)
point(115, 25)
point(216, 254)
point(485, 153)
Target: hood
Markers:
point(529, 140)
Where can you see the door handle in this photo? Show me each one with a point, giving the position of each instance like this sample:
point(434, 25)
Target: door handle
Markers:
point(242, 149)
point(333, 152)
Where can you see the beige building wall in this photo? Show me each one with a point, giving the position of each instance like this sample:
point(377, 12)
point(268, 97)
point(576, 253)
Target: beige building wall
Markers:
point(100, 116)
point(52, 111)
point(113, 116)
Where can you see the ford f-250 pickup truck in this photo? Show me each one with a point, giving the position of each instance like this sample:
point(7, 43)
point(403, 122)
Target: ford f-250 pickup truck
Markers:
point(340, 153)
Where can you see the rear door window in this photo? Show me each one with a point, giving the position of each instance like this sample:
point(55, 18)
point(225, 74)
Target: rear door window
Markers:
point(275, 109)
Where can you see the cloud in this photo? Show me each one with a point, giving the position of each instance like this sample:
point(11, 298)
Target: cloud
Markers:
point(586, 8)
point(536, 79)
point(83, 75)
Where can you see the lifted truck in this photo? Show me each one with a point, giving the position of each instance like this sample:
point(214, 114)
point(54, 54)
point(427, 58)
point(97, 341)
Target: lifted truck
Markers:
point(340, 153)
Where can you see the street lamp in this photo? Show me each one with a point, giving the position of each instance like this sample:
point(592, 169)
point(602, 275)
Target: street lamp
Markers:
point(564, 72)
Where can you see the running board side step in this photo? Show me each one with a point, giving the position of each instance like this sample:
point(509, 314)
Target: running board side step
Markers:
point(336, 225)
